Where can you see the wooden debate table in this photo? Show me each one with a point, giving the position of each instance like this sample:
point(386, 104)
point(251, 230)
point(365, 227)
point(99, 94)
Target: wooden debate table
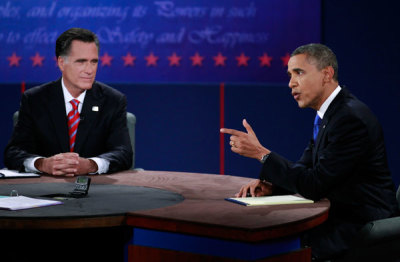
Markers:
point(156, 216)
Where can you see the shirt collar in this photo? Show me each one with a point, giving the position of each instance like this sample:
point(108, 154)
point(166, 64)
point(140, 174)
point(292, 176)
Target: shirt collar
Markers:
point(327, 102)
point(68, 97)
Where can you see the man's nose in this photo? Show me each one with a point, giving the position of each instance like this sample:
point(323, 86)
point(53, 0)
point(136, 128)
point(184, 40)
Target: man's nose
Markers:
point(292, 83)
point(90, 68)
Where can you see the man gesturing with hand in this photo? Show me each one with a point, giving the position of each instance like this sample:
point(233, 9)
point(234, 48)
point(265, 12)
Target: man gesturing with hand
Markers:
point(247, 144)
point(344, 162)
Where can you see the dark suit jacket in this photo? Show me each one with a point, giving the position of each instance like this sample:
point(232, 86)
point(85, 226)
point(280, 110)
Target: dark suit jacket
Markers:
point(42, 128)
point(348, 165)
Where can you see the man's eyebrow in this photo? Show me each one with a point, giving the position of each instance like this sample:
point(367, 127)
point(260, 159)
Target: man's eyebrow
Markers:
point(297, 70)
point(81, 60)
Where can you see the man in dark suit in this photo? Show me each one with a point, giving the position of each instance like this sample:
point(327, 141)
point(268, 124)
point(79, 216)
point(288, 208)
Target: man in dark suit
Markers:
point(74, 125)
point(345, 161)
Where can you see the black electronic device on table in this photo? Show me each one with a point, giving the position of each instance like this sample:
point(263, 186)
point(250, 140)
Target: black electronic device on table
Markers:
point(82, 185)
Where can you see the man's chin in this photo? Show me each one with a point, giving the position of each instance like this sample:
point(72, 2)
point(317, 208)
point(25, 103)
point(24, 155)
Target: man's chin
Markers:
point(86, 86)
point(301, 105)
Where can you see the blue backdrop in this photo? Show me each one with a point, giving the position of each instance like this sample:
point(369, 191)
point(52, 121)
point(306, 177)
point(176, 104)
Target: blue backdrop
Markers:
point(160, 41)
point(177, 99)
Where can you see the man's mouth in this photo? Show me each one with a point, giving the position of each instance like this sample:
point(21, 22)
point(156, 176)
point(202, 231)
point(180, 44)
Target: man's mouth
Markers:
point(296, 95)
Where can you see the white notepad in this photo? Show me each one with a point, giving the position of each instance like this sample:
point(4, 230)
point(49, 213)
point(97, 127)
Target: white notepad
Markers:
point(22, 202)
point(6, 173)
point(269, 200)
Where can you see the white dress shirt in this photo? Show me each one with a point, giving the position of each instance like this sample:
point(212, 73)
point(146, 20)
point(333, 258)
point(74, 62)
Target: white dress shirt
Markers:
point(327, 102)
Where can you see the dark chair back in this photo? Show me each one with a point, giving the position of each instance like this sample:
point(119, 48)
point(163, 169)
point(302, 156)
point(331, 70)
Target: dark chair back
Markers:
point(378, 240)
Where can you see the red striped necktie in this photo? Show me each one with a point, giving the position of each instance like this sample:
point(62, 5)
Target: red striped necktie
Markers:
point(73, 122)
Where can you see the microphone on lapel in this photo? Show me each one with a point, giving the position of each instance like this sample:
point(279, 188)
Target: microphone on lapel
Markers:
point(94, 109)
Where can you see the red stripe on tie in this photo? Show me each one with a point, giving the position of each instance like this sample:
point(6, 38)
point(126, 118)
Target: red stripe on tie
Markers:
point(73, 122)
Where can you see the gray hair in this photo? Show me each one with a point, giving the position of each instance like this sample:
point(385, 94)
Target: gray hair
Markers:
point(319, 54)
point(63, 43)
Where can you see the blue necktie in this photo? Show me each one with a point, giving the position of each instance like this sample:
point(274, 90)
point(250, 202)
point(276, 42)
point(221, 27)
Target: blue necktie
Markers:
point(317, 123)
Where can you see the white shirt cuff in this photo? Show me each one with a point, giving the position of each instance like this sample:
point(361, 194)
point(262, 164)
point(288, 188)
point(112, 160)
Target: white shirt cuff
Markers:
point(102, 165)
point(29, 165)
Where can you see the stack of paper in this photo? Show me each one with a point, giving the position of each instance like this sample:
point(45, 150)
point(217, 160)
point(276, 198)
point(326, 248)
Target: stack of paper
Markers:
point(269, 200)
point(22, 202)
point(6, 173)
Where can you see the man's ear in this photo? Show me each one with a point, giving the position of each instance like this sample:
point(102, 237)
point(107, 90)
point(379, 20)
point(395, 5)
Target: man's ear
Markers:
point(60, 62)
point(328, 73)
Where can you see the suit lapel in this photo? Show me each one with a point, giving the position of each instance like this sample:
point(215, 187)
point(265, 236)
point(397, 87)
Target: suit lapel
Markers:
point(58, 116)
point(325, 121)
point(92, 106)
point(321, 134)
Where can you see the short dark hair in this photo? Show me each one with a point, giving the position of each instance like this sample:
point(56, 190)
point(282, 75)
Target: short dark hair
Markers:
point(321, 54)
point(63, 43)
